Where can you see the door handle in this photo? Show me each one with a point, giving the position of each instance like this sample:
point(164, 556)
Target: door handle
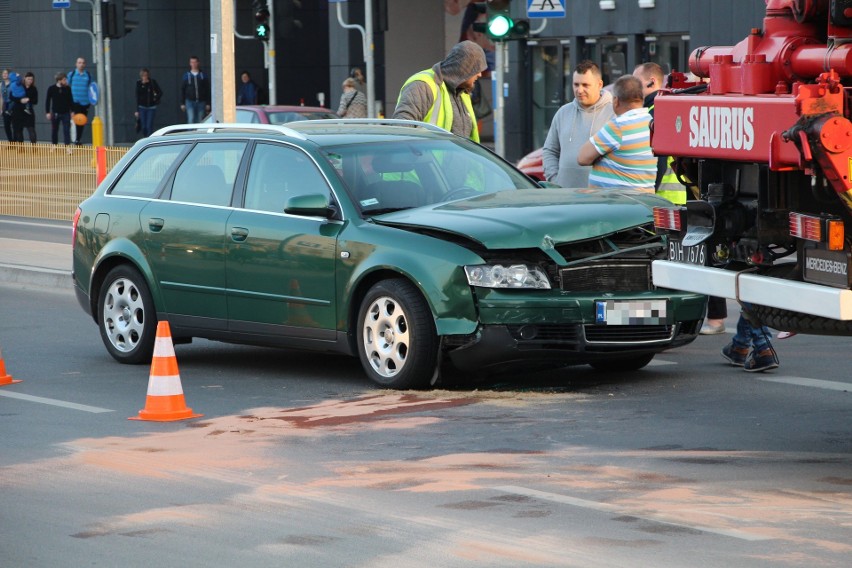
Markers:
point(239, 234)
point(156, 224)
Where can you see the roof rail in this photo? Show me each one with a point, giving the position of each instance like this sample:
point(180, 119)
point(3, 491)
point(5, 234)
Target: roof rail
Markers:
point(211, 127)
point(378, 121)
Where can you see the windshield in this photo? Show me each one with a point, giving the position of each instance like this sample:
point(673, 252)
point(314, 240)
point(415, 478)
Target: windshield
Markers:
point(390, 176)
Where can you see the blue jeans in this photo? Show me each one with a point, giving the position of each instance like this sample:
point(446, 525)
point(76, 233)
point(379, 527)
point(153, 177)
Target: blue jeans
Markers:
point(748, 335)
point(146, 119)
point(65, 120)
point(194, 111)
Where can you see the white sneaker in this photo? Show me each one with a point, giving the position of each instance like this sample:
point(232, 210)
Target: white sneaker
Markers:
point(708, 329)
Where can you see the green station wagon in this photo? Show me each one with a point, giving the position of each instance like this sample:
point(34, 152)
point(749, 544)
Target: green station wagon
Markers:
point(395, 241)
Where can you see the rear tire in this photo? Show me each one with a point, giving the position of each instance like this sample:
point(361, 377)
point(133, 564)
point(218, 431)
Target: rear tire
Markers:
point(623, 364)
point(126, 316)
point(785, 320)
point(397, 342)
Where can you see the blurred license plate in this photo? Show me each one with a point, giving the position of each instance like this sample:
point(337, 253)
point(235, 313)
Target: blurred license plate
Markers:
point(689, 255)
point(631, 312)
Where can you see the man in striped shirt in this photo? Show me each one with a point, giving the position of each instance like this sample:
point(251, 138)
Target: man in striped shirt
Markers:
point(620, 153)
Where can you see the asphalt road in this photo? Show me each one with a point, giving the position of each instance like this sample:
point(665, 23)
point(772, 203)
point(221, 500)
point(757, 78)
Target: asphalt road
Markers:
point(299, 461)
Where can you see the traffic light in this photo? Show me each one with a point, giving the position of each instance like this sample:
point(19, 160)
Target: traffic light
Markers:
point(127, 8)
point(499, 24)
point(109, 21)
point(262, 28)
point(114, 17)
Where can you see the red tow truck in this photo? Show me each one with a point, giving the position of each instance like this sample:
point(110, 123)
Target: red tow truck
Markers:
point(765, 148)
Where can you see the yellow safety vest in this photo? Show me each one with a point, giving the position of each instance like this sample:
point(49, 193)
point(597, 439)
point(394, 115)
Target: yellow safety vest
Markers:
point(441, 113)
point(670, 187)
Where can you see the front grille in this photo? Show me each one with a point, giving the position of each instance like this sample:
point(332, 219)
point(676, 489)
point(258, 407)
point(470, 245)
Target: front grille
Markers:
point(628, 333)
point(607, 276)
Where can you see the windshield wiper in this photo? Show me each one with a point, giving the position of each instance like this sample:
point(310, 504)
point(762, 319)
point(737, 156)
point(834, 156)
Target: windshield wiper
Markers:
point(384, 210)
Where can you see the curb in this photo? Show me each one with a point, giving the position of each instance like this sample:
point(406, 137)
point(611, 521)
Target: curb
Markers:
point(32, 276)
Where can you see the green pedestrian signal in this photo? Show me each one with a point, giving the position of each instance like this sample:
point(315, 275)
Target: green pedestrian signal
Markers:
point(262, 29)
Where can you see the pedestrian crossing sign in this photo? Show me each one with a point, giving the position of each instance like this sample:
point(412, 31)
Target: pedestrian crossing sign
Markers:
point(545, 8)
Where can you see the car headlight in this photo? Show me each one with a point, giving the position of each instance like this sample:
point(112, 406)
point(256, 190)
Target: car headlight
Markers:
point(499, 276)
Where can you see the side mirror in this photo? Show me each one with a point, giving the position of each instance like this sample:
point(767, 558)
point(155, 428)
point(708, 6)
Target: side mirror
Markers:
point(311, 205)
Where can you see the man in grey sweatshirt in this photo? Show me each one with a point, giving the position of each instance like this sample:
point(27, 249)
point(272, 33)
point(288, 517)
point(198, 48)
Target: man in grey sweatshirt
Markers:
point(573, 125)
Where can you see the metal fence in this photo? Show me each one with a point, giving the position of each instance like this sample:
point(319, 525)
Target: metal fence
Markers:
point(46, 181)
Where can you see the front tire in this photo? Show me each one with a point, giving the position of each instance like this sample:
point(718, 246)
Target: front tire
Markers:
point(623, 364)
point(126, 316)
point(397, 342)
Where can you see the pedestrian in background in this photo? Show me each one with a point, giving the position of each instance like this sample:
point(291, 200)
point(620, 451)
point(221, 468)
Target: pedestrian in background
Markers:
point(79, 80)
point(358, 75)
point(248, 92)
point(572, 126)
point(195, 92)
point(353, 103)
point(5, 85)
point(57, 108)
point(750, 347)
point(620, 153)
point(148, 95)
point(22, 109)
point(441, 95)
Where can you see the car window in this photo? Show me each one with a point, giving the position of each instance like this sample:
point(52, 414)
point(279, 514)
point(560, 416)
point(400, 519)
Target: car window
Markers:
point(208, 172)
point(278, 173)
point(247, 117)
point(143, 176)
point(413, 173)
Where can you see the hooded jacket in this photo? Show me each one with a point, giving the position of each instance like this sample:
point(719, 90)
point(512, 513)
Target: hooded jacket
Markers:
point(416, 98)
point(572, 126)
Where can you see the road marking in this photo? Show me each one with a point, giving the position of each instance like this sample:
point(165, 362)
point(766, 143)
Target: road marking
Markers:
point(604, 507)
point(32, 224)
point(661, 363)
point(54, 402)
point(803, 382)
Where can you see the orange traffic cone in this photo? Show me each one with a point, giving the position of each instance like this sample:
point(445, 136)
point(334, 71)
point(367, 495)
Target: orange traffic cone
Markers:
point(165, 402)
point(4, 378)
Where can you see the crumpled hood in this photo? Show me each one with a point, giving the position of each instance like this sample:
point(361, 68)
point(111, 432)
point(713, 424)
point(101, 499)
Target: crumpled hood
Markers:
point(523, 218)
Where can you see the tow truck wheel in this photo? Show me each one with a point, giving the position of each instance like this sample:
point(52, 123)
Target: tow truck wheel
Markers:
point(785, 320)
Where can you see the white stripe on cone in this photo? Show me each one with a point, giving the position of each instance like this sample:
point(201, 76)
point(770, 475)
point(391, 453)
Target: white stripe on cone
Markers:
point(164, 386)
point(163, 347)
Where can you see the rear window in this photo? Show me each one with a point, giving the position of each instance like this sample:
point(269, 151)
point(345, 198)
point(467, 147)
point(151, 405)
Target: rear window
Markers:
point(207, 174)
point(284, 117)
point(142, 178)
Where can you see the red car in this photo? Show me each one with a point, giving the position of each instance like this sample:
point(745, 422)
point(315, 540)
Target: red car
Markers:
point(278, 114)
point(532, 165)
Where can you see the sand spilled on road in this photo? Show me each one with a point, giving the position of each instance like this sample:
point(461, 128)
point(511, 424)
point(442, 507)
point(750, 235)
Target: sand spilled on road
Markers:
point(247, 451)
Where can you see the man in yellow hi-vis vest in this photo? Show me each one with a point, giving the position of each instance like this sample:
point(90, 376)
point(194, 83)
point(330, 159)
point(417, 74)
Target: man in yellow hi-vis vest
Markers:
point(441, 95)
point(667, 184)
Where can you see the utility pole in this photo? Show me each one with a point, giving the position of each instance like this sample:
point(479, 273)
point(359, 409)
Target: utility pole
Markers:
point(367, 47)
point(223, 88)
point(499, 88)
point(96, 34)
point(108, 76)
point(270, 57)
